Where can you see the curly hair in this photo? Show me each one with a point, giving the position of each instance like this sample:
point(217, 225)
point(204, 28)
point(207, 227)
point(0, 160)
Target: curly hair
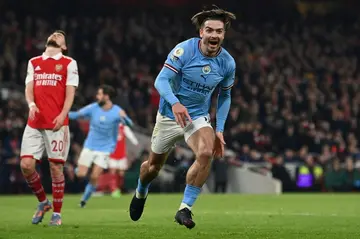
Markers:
point(213, 13)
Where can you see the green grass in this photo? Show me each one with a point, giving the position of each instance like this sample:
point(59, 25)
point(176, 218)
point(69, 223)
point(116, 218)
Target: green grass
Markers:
point(217, 216)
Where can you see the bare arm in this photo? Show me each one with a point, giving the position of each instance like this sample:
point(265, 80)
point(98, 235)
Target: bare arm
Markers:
point(29, 85)
point(69, 99)
point(125, 118)
point(71, 85)
point(29, 92)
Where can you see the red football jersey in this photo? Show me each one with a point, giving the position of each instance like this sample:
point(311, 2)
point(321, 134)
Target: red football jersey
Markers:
point(51, 75)
point(120, 149)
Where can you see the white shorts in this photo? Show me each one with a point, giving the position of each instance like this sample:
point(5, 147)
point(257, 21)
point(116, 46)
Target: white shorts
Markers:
point(36, 141)
point(88, 157)
point(167, 132)
point(121, 164)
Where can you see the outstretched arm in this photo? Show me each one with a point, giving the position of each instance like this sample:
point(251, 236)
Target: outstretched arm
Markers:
point(130, 135)
point(83, 112)
point(124, 117)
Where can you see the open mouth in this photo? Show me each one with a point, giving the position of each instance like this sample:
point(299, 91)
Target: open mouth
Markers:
point(213, 43)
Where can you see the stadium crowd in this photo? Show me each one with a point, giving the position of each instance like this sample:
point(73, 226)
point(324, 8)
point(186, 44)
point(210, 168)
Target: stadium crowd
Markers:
point(296, 97)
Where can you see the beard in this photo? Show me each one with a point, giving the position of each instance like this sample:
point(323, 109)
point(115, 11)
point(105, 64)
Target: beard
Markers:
point(101, 103)
point(52, 43)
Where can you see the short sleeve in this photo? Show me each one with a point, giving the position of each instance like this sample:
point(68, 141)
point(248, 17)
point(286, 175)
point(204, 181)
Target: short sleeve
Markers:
point(228, 81)
point(72, 74)
point(178, 56)
point(29, 73)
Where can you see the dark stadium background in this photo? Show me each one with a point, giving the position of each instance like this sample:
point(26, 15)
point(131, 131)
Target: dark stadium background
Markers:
point(296, 98)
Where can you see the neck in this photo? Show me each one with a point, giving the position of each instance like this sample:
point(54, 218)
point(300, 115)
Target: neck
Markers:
point(107, 105)
point(205, 51)
point(52, 51)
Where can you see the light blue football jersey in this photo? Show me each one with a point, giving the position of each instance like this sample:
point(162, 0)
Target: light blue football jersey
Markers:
point(104, 125)
point(197, 77)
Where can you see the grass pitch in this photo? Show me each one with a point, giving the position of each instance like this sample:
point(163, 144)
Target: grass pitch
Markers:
point(217, 216)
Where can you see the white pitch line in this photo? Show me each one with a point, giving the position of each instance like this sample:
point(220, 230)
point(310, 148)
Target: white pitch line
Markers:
point(264, 213)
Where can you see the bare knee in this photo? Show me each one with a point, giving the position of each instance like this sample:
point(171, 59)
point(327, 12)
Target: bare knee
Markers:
point(204, 156)
point(56, 169)
point(82, 171)
point(27, 165)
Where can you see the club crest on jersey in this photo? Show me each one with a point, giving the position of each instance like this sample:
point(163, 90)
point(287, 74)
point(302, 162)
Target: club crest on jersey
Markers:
point(178, 52)
point(102, 118)
point(58, 67)
point(206, 69)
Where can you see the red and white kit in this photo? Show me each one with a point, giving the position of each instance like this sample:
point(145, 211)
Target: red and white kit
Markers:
point(118, 159)
point(50, 75)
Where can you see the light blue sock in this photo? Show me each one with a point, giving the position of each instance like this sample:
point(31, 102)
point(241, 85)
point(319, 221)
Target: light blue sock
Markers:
point(142, 189)
point(89, 189)
point(190, 195)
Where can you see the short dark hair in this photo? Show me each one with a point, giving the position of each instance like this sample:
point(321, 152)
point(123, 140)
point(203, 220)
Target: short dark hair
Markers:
point(61, 32)
point(213, 13)
point(108, 90)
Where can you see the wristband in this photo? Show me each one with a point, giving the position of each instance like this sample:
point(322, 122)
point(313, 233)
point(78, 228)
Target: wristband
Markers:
point(32, 104)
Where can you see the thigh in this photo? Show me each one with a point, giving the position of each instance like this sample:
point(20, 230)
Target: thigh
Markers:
point(86, 158)
point(32, 145)
point(165, 134)
point(201, 137)
point(101, 159)
point(57, 144)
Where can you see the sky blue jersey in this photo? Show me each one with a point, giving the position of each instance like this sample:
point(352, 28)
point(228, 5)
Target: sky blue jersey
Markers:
point(104, 126)
point(189, 77)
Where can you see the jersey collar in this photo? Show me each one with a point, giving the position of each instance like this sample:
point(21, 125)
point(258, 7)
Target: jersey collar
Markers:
point(56, 57)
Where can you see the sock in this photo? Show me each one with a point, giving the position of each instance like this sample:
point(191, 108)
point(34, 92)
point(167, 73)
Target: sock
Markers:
point(190, 195)
point(58, 187)
point(89, 189)
point(113, 183)
point(34, 182)
point(142, 189)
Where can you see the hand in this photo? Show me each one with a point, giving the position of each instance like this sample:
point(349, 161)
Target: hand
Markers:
point(181, 113)
point(219, 146)
point(32, 111)
point(123, 114)
point(59, 121)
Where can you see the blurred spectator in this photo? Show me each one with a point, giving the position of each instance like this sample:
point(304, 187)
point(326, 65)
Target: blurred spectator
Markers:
point(309, 175)
point(352, 175)
point(220, 169)
point(335, 178)
point(280, 172)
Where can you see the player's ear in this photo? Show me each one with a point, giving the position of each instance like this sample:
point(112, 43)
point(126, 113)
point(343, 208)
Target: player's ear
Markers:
point(201, 31)
point(64, 48)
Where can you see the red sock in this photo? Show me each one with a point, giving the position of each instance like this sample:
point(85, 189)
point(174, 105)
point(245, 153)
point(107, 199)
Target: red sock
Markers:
point(58, 186)
point(113, 183)
point(34, 183)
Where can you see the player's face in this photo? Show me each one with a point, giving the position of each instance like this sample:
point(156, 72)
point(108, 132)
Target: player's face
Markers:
point(100, 97)
point(212, 34)
point(56, 40)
